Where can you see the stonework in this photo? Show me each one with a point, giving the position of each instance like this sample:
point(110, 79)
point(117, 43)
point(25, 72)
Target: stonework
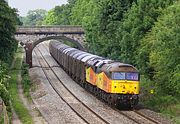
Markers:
point(29, 37)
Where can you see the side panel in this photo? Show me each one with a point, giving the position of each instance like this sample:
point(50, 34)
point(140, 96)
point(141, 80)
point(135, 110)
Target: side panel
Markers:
point(88, 75)
point(91, 76)
point(99, 81)
point(106, 83)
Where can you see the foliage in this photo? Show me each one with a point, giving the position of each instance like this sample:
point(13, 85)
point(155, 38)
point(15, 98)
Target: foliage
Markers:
point(138, 21)
point(34, 17)
point(4, 94)
point(3, 73)
point(161, 49)
point(86, 13)
point(60, 15)
point(26, 80)
point(8, 44)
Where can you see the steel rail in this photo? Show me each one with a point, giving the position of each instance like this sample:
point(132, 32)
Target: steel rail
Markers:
point(72, 95)
point(147, 117)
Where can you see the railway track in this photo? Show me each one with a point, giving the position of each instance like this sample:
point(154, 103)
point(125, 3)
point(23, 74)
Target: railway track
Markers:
point(138, 117)
point(145, 116)
point(82, 108)
point(134, 116)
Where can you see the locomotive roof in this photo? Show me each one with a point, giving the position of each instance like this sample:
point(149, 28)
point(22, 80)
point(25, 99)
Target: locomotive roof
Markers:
point(85, 59)
point(78, 54)
point(68, 49)
point(94, 60)
point(72, 51)
point(117, 66)
point(82, 56)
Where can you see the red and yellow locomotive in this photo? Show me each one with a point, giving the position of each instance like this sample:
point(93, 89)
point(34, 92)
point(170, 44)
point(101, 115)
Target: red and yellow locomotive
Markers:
point(114, 82)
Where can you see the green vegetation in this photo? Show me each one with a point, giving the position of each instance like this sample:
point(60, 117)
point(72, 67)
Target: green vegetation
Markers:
point(34, 17)
point(159, 51)
point(1, 118)
point(55, 18)
point(9, 77)
point(60, 15)
point(26, 80)
point(8, 45)
point(17, 104)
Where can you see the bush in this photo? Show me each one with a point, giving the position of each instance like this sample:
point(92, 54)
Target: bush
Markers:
point(160, 50)
point(4, 73)
point(8, 44)
point(4, 94)
point(159, 101)
point(26, 80)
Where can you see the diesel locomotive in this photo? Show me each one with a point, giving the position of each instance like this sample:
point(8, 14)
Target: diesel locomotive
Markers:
point(113, 82)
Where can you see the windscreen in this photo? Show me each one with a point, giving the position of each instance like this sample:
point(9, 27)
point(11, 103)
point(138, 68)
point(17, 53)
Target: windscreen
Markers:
point(132, 76)
point(125, 76)
point(119, 76)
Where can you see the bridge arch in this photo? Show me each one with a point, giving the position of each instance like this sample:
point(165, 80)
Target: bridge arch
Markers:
point(79, 45)
point(29, 46)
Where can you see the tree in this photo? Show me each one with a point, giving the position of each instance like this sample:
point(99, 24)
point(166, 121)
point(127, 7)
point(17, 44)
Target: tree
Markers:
point(138, 21)
point(34, 17)
point(101, 20)
point(161, 47)
point(8, 44)
point(60, 15)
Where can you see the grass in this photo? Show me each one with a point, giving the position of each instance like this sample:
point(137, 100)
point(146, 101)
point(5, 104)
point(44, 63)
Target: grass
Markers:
point(1, 118)
point(172, 112)
point(167, 105)
point(17, 104)
point(26, 81)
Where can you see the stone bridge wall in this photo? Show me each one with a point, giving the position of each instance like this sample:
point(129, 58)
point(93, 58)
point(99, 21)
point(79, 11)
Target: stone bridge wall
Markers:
point(50, 30)
point(32, 36)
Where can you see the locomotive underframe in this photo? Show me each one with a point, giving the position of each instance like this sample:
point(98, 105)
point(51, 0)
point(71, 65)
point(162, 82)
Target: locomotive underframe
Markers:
point(118, 100)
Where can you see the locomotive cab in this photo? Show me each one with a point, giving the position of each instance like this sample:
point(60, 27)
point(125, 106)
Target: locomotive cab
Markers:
point(124, 78)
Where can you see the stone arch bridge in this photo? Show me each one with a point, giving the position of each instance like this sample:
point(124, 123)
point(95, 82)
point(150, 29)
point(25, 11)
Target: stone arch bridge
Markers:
point(30, 36)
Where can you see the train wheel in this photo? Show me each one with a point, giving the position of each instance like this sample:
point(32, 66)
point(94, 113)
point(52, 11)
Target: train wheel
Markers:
point(106, 97)
point(96, 91)
point(85, 85)
point(109, 100)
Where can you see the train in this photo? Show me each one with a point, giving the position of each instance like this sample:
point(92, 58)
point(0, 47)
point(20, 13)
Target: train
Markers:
point(114, 82)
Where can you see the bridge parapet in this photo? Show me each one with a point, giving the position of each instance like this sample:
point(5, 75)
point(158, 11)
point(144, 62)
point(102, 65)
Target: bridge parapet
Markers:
point(50, 30)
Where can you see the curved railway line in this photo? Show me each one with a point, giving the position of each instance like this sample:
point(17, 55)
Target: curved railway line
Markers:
point(74, 102)
point(88, 120)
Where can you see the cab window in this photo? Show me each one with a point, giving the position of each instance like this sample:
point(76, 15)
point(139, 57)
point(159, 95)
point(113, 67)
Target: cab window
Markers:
point(118, 76)
point(125, 76)
point(132, 76)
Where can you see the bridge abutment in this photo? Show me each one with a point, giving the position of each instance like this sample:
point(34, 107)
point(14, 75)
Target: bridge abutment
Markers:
point(29, 49)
